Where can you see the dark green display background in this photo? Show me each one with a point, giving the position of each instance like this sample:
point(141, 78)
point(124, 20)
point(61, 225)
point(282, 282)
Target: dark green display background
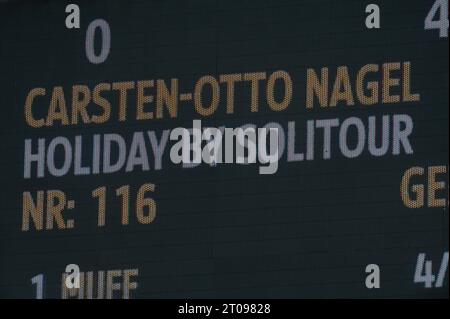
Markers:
point(307, 231)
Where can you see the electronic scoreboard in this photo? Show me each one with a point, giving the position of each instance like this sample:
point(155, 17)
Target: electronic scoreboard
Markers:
point(224, 149)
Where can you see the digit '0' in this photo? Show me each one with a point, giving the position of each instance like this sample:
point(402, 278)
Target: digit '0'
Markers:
point(106, 41)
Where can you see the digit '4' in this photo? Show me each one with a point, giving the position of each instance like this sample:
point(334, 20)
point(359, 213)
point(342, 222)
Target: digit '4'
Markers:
point(424, 271)
point(442, 23)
